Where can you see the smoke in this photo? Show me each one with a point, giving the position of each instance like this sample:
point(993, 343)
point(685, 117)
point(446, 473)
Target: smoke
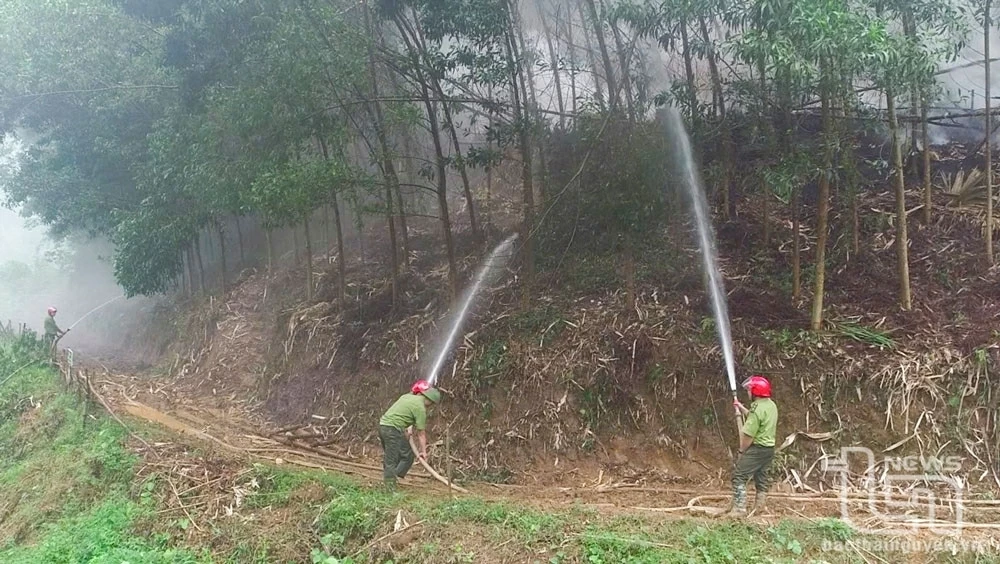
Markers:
point(75, 275)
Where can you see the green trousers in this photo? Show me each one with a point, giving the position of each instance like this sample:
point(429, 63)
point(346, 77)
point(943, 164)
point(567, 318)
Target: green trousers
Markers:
point(397, 456)
point(754, 463)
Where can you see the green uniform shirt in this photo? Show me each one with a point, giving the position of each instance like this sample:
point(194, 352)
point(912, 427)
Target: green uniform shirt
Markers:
point(51, 329)
point(762, 422)
point(408, 410)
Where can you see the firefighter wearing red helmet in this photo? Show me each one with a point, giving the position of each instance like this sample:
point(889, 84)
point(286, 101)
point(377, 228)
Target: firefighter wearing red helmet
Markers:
point(405, 418)
point(52, 330)
point(757, 438)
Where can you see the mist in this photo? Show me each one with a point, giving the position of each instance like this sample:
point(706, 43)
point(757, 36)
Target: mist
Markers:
point(75, 275)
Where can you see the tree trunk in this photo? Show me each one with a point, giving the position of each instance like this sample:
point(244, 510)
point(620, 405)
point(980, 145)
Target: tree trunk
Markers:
point(572, 55)
point(327, 238)
point(270, 251)
point(988, 146)
point(628, 272)
point(341, 261)
point(308, 261)
point(531, 103)
point(341, 258)
point(409, 36)
point(796, 244)
point(605, 57)
point(222, 258)
point(201, 265)
point(239, 234)
point(623, 62)
point(928, 203)
point(822, 215)
point(554, 62)
point(598, 93)
point(692, 92)
point(518, 88)
point(191, 269)
point(766, 192)
point(728, 203)
point(404, 229)
point(295, 246)
point(460, 162)
point(902, 240)
point(388, 166)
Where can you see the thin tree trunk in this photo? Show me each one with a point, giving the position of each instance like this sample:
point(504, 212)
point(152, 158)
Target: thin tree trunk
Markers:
point(848, 157)
point(239, 234)
point(554, 63)
point(628, 270)
point(404, 229)
point(728, 203)
point(988, 146)
point(796, 244)
point(689, 72)
point(766, 193)
point(185, 274)
point(327, 238)
point(295, 245)
point(435, 84)
point(201, 265)
point(902, 240)
point(531, 101)
point(460, 162)
point(308, 261)
point(409, 36)
point(572, 55)
point(598, 92)
point(222, 258)
point(822, 215)
point(341, 260)
point(270, 251)
point(191, 269)
point(388, 166)
point(605, 57)
point(928, 203)
point(518, 88)
point(623, 62)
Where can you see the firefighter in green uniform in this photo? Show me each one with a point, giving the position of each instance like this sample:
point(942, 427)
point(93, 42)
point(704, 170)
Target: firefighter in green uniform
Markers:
point(756, 446)
point(406, 417)
point(52, 331)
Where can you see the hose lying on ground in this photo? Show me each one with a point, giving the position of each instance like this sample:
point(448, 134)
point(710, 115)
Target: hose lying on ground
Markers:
point(437, 476)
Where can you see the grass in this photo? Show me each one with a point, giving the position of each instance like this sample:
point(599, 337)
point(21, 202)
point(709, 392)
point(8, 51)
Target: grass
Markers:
point(66, 483)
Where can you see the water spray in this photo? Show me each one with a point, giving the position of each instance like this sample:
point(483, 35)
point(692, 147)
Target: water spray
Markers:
point(96, 309)
point(497, 258)
point(706, 241)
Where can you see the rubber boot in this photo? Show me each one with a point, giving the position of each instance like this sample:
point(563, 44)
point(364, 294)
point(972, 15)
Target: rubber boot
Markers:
point(758, 503)
point(739, 507)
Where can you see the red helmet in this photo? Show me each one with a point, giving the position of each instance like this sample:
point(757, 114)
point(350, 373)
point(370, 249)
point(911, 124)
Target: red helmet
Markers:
point(420, 386)
point(758, 386)
point(52, 310)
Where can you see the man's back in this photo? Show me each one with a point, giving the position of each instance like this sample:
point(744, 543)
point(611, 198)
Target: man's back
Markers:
point(409, 410)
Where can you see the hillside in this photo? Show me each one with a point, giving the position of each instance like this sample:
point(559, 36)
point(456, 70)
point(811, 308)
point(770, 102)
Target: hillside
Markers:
point(578, 389)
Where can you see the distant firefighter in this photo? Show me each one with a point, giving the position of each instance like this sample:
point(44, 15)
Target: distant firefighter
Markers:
point(52, 330)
